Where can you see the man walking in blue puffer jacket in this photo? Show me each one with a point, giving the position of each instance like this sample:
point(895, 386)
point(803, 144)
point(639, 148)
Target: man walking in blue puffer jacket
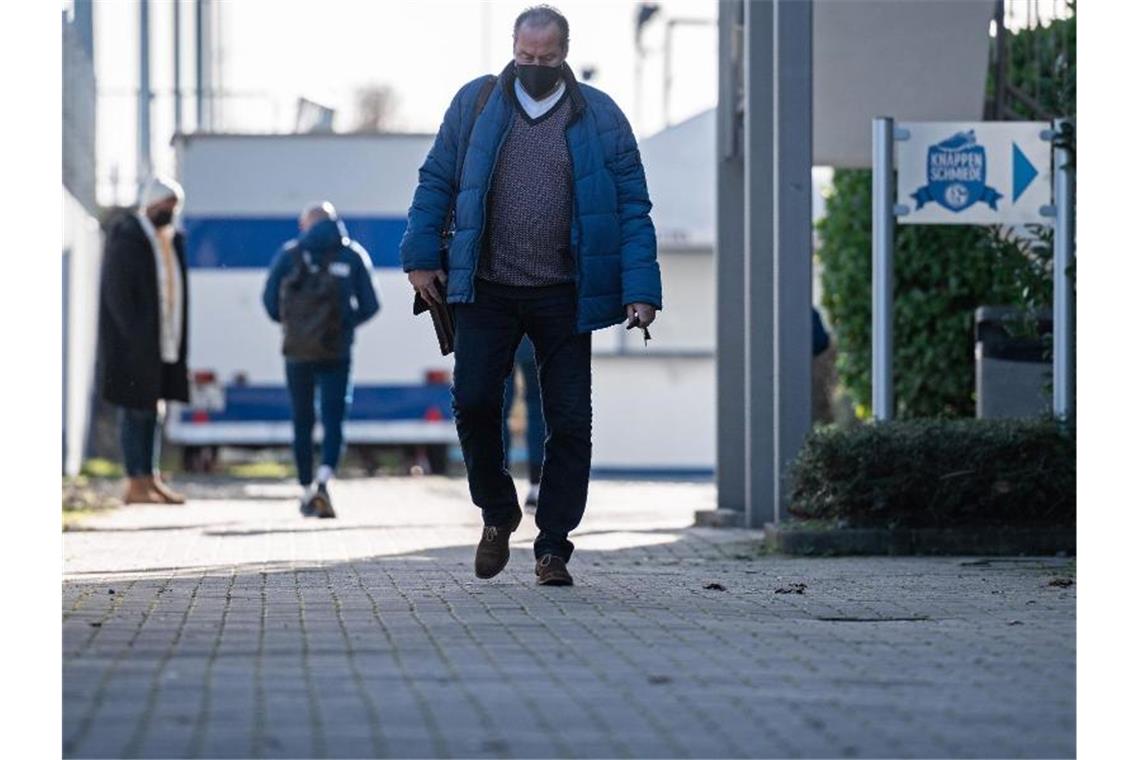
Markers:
point(543, 182)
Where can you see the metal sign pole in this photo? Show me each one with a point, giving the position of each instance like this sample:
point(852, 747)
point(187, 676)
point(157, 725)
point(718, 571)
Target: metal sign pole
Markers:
point(882, 266)
point(143, 167)
point(1064, 295)
point(177, 67)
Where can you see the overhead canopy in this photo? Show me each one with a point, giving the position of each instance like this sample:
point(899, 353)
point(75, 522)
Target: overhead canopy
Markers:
point(916, 61)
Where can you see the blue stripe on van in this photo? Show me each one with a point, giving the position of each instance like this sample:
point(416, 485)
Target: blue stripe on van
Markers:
point(250, 242)
point(370, 403)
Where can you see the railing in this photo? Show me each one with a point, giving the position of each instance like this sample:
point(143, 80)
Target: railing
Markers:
point(1033, 74)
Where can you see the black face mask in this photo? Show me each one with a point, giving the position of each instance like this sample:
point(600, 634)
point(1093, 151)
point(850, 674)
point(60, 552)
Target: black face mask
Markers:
point(537, 80)
point(161, 218)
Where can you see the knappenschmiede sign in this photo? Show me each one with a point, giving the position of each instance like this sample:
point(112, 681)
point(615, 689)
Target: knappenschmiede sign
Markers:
point(973, 172)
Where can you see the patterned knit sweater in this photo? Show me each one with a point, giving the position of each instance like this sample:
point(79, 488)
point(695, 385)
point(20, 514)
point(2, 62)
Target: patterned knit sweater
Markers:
point(531, 204)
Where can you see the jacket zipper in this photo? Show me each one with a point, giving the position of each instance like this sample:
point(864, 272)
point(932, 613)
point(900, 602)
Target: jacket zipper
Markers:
point(574, 213)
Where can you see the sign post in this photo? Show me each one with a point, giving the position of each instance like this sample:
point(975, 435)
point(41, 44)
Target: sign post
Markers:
point(882, 267)
point(990, 172)
point(1064, 293)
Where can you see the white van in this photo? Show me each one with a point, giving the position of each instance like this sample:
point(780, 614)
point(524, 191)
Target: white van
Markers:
point(243, 196)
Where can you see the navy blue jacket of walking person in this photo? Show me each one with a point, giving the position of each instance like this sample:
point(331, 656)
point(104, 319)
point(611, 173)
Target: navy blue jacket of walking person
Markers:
point(324, 249)
point(350, 264)
point(542, 180)
point(143, 309)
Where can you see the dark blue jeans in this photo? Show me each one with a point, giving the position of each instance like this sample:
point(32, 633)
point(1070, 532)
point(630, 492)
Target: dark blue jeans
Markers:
point(487, 333)
point(304, 379)
point(535, 426)
point(138, 434)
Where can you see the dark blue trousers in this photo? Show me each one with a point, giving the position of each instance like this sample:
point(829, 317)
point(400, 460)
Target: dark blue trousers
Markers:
point(138, 434)
point(487, 333)
point(305, 380)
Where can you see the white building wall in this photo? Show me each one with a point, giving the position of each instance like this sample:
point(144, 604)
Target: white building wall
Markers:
point(82, 258)
point(655, 404)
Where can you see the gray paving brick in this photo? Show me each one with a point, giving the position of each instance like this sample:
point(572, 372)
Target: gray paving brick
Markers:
point(370, 637)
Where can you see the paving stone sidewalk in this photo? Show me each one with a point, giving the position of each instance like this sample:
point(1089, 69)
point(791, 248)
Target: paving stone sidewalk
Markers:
point(232, 627)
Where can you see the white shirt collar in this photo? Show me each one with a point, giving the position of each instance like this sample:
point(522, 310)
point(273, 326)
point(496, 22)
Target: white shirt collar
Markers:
point(535, 108)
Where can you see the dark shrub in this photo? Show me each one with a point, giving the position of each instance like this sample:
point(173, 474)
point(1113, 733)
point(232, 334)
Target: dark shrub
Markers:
point(938, 474)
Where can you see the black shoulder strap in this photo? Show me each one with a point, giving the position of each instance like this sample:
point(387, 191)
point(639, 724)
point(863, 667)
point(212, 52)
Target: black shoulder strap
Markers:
point(481, 99)
point(484, 94)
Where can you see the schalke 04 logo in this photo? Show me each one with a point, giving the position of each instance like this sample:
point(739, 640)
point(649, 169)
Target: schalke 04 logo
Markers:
point(956, 174)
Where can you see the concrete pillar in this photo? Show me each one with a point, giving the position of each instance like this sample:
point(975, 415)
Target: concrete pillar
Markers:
point(730, 288)
point(792, 237)
point(763, 256)
point(759, 264)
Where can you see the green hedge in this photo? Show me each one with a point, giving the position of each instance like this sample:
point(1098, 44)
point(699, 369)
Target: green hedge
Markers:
point(942, 274)
point(939, 473)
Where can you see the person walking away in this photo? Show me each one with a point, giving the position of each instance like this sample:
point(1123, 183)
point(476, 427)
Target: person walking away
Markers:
point(535, 425)
point(143, 304)
point(320, 289)
point(552, 239)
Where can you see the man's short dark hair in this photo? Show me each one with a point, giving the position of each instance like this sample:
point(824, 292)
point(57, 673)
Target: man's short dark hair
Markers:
point(541, 16)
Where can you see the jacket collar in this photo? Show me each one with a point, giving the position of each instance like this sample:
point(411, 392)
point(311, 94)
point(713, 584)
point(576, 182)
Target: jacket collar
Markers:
point(325, 234)
point(573, 91)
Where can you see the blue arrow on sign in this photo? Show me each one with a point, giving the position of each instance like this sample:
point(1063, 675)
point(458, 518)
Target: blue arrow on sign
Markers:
point(1023, 172)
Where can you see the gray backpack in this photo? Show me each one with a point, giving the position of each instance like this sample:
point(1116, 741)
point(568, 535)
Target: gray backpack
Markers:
point(311, 315)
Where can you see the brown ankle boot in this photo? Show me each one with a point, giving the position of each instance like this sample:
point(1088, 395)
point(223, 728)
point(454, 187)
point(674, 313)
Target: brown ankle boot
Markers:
point(493, 551)
point(165, 492)
point(551, 571)
point(140, 491)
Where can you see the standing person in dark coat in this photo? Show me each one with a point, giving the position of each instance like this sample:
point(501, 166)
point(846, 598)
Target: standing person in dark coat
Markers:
point(142, 332)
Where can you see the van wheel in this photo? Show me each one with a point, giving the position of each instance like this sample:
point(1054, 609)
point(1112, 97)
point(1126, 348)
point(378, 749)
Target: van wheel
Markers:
point(370, 460)
point(199, 459)
point(437, 459)
point(190, 456)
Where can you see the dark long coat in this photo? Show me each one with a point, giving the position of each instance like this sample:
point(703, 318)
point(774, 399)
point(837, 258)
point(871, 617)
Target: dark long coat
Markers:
point(131, 367)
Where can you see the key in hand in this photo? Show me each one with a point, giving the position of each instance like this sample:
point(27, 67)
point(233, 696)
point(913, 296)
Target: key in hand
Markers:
point(636, 322)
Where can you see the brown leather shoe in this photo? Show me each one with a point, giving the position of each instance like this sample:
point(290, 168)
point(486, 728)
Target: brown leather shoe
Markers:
point(165, 492)
point(140, 491)
point(551, 571)
point(493, 551)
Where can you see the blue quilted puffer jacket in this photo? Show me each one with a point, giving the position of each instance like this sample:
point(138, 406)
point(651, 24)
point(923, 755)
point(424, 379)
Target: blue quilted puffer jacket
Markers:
point(612, 235)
